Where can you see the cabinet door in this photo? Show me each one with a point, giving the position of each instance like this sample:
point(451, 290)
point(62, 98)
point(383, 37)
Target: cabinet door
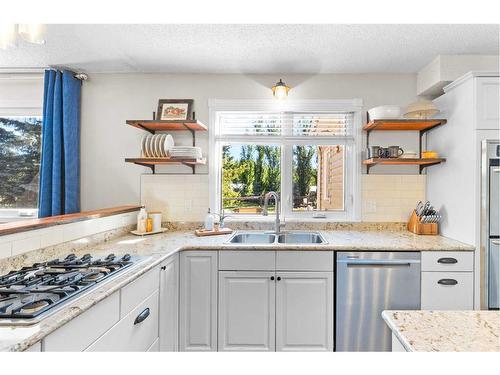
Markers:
point(246, 311)
point(304, 311)
point(198, 301)
point(447, 291)
point(169, 305)
point(487, 102)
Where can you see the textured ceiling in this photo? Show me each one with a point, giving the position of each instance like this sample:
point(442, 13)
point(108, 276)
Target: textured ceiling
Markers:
point(251, 48)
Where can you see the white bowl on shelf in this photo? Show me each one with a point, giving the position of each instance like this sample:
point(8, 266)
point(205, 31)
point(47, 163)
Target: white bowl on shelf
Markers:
point(385, 112)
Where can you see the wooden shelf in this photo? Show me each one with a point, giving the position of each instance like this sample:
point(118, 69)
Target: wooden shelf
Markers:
point(422, 163)
point(152, 162)
point(403, 124)
point(153, 126)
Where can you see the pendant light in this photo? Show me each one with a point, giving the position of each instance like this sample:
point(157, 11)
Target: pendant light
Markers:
point(30, 32)
point(280, 90)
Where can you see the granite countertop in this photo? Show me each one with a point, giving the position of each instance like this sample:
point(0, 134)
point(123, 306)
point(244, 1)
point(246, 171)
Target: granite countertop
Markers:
point(446, 331)
point(158, 247)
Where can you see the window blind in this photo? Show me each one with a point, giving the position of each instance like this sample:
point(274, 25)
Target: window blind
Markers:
point(292, 124)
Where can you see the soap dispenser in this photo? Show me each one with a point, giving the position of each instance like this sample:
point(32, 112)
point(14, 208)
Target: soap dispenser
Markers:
point(142, 216)
point(209, 221)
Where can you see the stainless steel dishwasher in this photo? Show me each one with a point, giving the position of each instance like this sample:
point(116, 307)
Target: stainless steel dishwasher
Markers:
point(368, 283)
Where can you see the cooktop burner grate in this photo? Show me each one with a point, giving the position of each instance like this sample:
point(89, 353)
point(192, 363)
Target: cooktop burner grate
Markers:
point(32, 291)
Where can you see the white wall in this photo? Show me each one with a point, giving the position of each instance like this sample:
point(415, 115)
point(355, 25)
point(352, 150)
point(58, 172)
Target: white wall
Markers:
point(108, 100)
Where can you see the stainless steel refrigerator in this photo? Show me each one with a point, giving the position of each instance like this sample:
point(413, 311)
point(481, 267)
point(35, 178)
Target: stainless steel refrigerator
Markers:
point(491, 226)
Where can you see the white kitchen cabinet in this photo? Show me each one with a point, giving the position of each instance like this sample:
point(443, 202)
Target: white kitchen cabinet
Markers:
point(198, 301)
point(86, 328)
point(137, 331)
point(304, 311)
point(447, 291)
point(169, 304)
point(487, 103)
point(246, 311)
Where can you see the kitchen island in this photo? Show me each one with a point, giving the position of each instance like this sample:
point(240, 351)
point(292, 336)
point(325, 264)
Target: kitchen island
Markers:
point(444, 331)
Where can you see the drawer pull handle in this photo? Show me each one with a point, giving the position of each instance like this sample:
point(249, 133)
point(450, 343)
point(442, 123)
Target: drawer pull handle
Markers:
point(447, 261)
point(448, 282)
point(278, 278)
point(142, 316)
point(272, 278)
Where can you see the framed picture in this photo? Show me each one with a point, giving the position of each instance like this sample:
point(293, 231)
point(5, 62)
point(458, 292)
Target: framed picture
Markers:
point(174, 109)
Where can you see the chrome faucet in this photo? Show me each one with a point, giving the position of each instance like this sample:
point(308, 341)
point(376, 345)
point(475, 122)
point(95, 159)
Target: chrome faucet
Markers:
point(277, 224)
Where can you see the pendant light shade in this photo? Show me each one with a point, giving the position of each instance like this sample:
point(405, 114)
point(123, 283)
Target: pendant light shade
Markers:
point(32, 32)
point(421, 109)
point(280, 90)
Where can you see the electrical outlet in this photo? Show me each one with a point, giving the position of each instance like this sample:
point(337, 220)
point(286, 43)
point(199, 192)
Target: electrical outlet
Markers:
point(188, 205)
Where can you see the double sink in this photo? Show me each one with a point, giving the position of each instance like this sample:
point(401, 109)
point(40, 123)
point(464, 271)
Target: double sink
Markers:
point(250, 238)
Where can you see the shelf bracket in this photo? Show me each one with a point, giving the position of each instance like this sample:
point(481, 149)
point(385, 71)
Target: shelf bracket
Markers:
point(144, 128)
point(151, 166)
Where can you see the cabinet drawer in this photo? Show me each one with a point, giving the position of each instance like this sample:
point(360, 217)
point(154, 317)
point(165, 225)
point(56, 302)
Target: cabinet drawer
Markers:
point(304, 260)
point(82, 331)
point(247, 260)
point(135, 292)
point(447, 291)
point(462, 261)
point(129, 335)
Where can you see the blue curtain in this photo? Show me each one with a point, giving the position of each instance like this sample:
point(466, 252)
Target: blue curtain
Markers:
point(60, 166)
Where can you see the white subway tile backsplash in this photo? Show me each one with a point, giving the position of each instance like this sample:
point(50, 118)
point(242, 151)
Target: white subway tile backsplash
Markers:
point(178, 197)
point(391, 197)
point(26, 244)
point(5, 249)
point(15, 244)
point(51, 236)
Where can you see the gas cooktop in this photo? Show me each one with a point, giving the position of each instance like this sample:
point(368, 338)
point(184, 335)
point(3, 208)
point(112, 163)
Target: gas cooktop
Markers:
point(29, 293)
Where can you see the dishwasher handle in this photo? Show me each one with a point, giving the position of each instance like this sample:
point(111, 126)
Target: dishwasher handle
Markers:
point(378, 262)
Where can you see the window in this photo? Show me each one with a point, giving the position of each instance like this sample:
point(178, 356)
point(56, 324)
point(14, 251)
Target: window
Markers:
point(20, 145)
point(309, 157)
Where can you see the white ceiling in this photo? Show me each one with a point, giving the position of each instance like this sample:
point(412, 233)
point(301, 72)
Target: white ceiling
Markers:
point(251, 48)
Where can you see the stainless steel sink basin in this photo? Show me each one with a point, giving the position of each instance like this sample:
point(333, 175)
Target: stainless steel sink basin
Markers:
point(250, 238)
point(301, 238)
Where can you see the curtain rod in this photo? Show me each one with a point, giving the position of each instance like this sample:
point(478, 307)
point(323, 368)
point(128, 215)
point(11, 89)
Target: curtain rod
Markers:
point(78, 75)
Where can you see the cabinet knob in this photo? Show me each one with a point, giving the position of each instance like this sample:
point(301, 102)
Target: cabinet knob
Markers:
point(164, 268)
point(272, 278)
point(279, 278)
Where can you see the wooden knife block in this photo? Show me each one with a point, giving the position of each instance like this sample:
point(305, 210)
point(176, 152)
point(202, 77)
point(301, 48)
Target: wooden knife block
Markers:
point(415, 226)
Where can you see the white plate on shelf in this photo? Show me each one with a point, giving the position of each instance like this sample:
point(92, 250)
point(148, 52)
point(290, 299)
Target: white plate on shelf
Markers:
point(146, 141)
point(168, 143)
point(161, 138)
point(149, 146)
point(143, 145)
point(156, 145)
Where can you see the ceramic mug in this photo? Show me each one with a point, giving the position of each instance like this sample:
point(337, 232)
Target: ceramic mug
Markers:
point(374, 152)
point(156, 216)
point(395, 151)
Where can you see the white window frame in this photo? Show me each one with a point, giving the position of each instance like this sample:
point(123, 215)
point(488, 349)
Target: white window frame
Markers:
point(16, 108)
point(352, 164)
